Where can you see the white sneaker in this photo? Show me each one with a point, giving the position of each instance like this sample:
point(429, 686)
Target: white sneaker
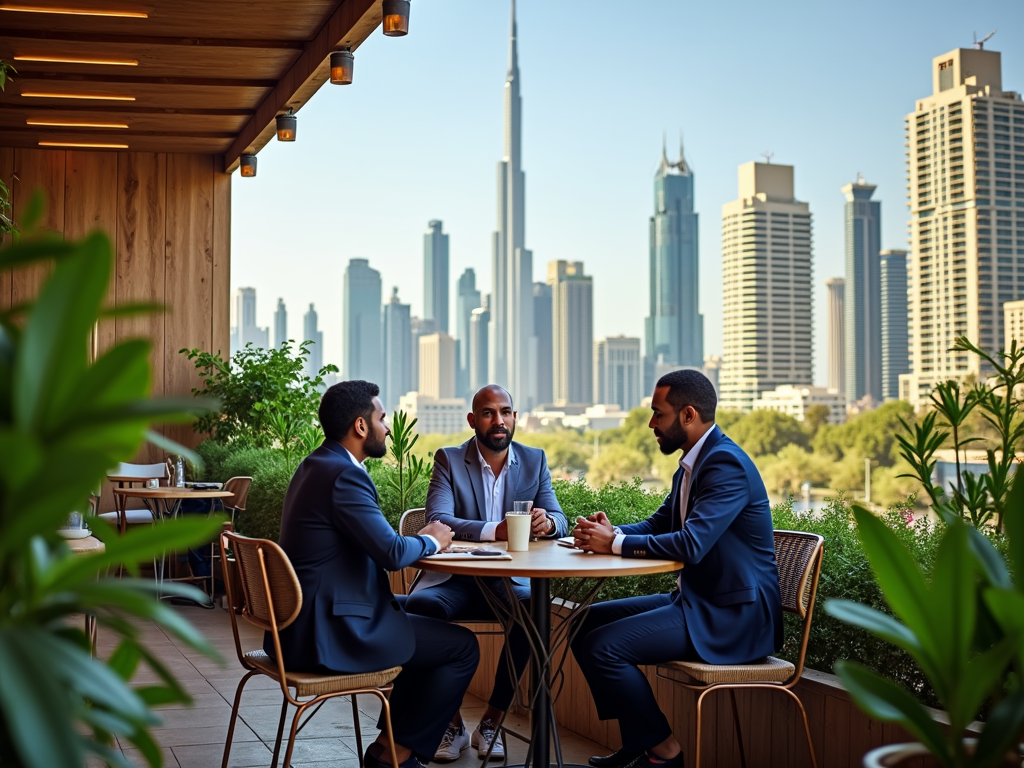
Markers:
point(454, 741)
point(484, 734)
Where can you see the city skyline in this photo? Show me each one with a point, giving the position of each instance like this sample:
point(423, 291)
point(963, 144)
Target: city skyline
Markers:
point(615, 289)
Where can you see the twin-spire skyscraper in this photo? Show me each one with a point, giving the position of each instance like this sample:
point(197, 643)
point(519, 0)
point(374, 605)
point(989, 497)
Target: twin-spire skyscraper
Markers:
point(513, 345)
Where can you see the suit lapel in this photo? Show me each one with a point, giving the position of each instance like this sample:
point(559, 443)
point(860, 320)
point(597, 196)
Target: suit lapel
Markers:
point(705, 450)
point(473, 469)
point(677, 490)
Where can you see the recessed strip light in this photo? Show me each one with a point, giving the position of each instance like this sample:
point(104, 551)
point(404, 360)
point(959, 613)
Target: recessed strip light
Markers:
point(73, 124)
point(80, 145)
point(79, 60)
point(95, 96)
point(74, 11)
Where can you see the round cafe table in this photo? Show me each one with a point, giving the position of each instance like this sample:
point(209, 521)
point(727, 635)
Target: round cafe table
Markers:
point(165, 502)
point(544, 561)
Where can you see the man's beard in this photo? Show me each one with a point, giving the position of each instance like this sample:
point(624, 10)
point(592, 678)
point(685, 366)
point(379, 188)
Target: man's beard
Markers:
point(374, 448)
point(497, 439)
point(672, 440)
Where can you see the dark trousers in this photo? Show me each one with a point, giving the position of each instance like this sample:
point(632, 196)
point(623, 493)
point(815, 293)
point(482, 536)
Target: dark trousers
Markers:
point(460, 599)
point(428, 692)
point(614, 639)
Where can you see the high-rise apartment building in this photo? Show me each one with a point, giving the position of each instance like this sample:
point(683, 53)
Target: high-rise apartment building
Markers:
point(511, 348)
point(895, 350)
point(435, 276)
point(542, 331)
point(479, 335)
point(1013, 324)
point(398, 355)
point(437, 366)
point(467, 298)
point(418, 327)
point(674, 331)
point(768, 327)
point(965, 158)
point(863, 301)
point(246, 331)
point(572, 330)
point(618, 371)
point(311, 332)
point(836, 335)
point(280, 324)
point(363, 357)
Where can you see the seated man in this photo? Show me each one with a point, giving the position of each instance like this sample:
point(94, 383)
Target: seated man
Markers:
point(471, 489)
point(728, 610)
point(340, 545)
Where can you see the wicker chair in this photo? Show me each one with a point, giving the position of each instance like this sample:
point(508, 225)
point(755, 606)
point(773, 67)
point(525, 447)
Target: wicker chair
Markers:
point(240, 487)
point(272, 598)
point(799, 558)
point(130, 474)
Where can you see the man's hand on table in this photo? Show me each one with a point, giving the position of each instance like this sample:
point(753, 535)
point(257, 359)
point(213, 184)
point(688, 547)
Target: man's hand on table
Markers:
point(594, 533)
point(542, 525)
point(439, 531)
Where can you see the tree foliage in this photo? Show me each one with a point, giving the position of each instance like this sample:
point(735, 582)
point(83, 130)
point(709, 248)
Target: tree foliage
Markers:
point(762, 432)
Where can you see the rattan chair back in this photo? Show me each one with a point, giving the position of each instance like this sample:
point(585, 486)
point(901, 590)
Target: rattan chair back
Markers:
point(412, 521)
point(798, 555)
point(270, 588)
point(239, 486)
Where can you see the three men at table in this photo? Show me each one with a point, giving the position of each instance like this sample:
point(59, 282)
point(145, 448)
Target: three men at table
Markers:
point(471, 488)
point(727, 609)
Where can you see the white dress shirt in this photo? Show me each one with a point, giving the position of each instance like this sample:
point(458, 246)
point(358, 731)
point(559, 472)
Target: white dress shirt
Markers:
point(494, 493)
point(686, 462)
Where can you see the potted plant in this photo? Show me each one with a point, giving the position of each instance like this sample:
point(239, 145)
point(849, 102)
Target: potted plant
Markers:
point(64, 421)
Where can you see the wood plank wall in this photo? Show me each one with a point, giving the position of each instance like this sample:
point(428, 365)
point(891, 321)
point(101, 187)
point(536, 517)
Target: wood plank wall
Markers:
point(168, 217)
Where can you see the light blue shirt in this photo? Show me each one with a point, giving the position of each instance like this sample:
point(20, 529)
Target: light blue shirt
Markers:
point(494, 493)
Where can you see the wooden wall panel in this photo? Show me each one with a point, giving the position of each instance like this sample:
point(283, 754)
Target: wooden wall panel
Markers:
point(188, 267)
point(43, 170)
point(7, 175)
point(221, 317)
point(89, 181)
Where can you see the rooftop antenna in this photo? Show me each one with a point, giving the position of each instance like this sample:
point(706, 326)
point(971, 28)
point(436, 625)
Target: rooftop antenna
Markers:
point(980, 44)
point(768, 155)
point(860, 178)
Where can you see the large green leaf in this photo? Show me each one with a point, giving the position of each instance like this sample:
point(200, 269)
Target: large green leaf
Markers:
point(1013, 521)
point(1002, 730)
point(982, 678)
point(953, 611)
point(874, 621)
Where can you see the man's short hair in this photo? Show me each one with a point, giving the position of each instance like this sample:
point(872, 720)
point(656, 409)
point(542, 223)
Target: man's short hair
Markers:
point(345, 402)
point(689, 387)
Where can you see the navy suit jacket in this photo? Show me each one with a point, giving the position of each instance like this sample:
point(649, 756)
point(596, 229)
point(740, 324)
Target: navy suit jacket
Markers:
point(729, 589)
point(340, 545)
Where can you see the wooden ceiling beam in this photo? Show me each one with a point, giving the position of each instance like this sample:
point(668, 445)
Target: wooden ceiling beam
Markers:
point(350, 24)
point(206, 82)
point(113, 39)
point(129, 110)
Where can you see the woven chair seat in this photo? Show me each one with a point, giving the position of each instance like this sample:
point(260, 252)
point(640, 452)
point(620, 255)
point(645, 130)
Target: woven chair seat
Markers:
point(771, 670)
point(317, 684)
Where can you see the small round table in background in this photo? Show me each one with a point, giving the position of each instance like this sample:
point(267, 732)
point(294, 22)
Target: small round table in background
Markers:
point(90, 545)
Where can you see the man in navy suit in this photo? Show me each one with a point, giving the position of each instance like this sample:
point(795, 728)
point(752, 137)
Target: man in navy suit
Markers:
point(340, 545)
point(471, 488)
point(716, 521)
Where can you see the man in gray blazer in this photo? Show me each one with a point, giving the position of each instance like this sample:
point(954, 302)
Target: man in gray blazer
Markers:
point(471, 488)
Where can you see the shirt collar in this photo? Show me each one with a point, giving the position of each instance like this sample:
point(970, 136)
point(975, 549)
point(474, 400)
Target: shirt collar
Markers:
point(510, 459)
point(690, 457)
point(356, 461)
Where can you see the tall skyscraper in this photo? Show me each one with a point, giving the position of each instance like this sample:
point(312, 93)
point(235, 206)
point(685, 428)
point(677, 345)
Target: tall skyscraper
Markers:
point(768, 327)
point(479, 336)
point(836, 334)
point(467, 298)
point(311, 332)
point(895, 350)
point(437, 366)
point(1013, 324)
point(543, 332)
point(397, 353)
point(246, 331)
point(511, 349)
point(363, 357)
point(863, 293)
point(674, 332)
point(617, 372)
point(435, 276)
point(572, 331)
point(280, 324)
point(961, 152)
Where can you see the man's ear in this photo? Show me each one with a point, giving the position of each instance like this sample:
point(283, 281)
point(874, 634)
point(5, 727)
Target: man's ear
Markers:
point(360, 426)
point(471, 418)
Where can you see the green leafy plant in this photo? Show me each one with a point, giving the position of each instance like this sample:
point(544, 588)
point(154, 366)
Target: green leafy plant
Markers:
point(62, 413)
point(266, 398)
point(413, 472)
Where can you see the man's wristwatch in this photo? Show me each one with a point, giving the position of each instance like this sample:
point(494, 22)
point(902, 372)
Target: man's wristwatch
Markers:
point(551, 523)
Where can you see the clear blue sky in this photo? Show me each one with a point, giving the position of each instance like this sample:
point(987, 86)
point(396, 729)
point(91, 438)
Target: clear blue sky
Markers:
point(823, 85)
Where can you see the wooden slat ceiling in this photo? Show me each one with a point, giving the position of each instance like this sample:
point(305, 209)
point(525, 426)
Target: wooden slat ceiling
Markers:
point(211, 75)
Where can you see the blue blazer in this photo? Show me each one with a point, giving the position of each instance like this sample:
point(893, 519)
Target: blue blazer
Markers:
point(340, 545)
point(729, 589)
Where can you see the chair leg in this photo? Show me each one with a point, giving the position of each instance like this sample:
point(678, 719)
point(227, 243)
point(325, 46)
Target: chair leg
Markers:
point(807, 727)
point(358, 729)
point(234, 716)
point(739, 731)
point(280, 732)
point(700, 705)
point(291, 735)
point(386, 705)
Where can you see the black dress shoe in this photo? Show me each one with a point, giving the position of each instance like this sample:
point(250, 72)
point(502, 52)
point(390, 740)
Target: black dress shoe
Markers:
point(642, 761)
point(617, 759)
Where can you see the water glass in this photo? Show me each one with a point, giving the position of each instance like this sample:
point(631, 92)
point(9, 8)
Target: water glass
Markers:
point(522, 507)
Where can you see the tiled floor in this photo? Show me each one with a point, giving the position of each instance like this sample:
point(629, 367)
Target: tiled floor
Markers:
point(193, 737)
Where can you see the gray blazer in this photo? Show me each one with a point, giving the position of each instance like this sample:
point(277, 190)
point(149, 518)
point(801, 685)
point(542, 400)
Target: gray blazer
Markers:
point(456, 493)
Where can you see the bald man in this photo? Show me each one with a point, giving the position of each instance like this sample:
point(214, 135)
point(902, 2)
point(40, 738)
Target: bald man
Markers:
point(471, 488)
